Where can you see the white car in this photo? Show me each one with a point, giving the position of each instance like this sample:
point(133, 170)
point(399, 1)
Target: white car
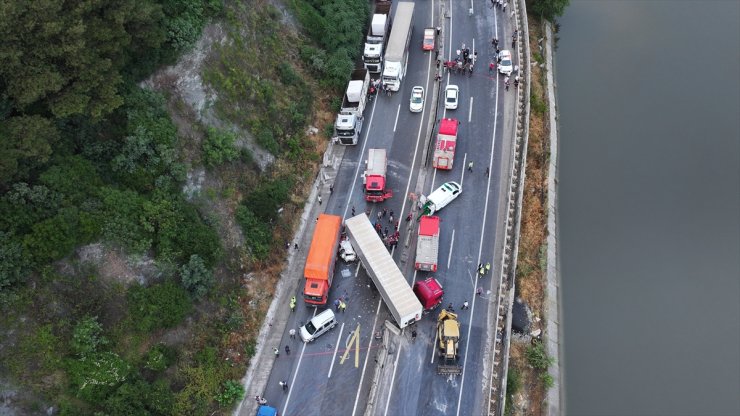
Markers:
point(441, 197)
point(505, 66)
point(417, 99)
point(452, 93)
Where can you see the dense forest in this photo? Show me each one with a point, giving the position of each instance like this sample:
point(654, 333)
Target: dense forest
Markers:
point(90, 158)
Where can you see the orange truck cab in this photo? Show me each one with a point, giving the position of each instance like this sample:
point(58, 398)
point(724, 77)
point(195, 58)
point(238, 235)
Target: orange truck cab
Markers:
point(429, 292)
point(319, 269)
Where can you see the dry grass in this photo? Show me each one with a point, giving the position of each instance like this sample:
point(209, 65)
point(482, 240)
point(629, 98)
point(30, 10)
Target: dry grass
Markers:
point(532, 249)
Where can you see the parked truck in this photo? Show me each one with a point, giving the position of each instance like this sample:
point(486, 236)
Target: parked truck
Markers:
point(397, 51)
point(348, 126)
point(377, 35)
point(427, 245)
point(393, 287)
point(374, 178)
point(448, 333)
point(444, 151)
point(322, 255)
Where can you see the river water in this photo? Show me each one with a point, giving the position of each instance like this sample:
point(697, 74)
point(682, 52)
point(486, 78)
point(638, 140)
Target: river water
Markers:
point(649, 107)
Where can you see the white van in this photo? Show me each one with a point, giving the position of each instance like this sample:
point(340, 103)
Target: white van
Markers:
point(318, 325)
point(440, 198)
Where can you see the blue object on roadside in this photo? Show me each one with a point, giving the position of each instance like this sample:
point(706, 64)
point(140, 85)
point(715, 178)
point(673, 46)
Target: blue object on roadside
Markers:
point(265, 410)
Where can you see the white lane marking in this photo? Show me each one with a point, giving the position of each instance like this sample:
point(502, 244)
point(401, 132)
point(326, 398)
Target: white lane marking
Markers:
point(465, 166)
point(471, 7)
point(434, 177)
point(434, 346)
point(397, 113)
point(367, 357)
point(452, 243)
point(480, 246)
point(334, 357)
point(470, 111)
point(359, 163)
point(393, 378)
point(297, 367)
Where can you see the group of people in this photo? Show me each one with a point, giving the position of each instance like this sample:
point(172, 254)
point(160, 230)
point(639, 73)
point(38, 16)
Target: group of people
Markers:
point(484, 269)
point(376, 86)
point(390, 239)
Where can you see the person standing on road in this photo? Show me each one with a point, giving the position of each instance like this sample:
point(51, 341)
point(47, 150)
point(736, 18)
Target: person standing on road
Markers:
point(342, 306)
point(283, 385)
point(319, 199)
point(292, 333)
point(488, 171)
point(336, 304)
point(488, 267)
point(465, 305)
point(287, 350)
point(413, 334)
point(353, 210)
point(276, 352)
point(470, 166)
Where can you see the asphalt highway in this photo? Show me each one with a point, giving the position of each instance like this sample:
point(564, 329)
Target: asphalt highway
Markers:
point(331, 375)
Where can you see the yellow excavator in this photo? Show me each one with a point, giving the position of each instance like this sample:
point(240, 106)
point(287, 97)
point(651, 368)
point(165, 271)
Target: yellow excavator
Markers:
point(448, 332)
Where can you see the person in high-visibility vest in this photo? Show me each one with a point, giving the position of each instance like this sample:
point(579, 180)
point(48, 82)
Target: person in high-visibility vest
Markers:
point(292, 304)
point(488, 267)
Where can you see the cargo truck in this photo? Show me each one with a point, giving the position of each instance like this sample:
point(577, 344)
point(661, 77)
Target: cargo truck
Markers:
point(377, 35)
point(322, 255)
point(444, 151)
point(427, 245)
point(374, 178)
point(397, 51)
point(390, 282)
point(348, 126)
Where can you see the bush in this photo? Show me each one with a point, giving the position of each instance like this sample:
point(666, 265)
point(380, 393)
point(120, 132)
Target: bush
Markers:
point(160, 357)
point(161, 305)
point(257, 233)
point(56, 237)
point(232, 392)
point(218, 147)
point(196, 277)
point(96, 375)
point(537, 356)
point(549, 9)
point(87, 336)
point(265, 200)
point(122, 219)
point(140, 398)
point(25, 205)
point(547, 380)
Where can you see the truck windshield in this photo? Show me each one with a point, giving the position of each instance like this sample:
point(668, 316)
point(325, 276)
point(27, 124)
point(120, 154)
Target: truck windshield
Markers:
point(375, 193)
point(346, 133)
point(310, 328)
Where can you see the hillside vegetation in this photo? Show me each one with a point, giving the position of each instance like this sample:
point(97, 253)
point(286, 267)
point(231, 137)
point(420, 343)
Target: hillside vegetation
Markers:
point(119, 293)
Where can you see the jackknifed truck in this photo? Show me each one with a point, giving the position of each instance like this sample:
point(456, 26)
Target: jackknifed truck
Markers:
point(348, 125)
point(390, 282)
point(427, 245)
point(397, 51)
point(377, 34)
point(374, 178)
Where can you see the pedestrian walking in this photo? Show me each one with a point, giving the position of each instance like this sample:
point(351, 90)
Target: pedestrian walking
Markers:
point(479, 291)
point(513, 12)
point(506, 84)
point(276, 352)
point(470, 166)
point(488, 170)
point(390, 219)
point(385, 211)
point(295, 246)
point(408, 217)
point(319, 199)
point(287, 350)
point(385, 231)
point(292, 333)
point(413, 334)
point(342, 306)
point(380, 215)
point(465, 305)
point(516, 81)
point(283, 385)
point(503, 7)
point(353, 210)
point(491, 67)
point(488, 266)
point(336, 304)
point(331, 189)
point(292, 304)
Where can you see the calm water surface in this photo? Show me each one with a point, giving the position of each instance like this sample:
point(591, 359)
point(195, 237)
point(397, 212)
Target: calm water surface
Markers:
point(649, 100)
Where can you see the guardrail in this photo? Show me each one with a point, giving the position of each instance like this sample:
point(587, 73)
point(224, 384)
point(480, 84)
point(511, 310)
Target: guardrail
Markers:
point(505, 296)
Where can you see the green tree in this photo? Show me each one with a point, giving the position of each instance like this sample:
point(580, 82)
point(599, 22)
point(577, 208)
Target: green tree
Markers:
point(549, 9)
point(26, 145)
point(13, 260)
point(219, 147)
point(231, 392)
point(96, 375)
point(137, 397)
point(196, 277)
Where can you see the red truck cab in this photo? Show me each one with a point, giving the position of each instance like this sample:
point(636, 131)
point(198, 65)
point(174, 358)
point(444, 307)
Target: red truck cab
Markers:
point(429, 292)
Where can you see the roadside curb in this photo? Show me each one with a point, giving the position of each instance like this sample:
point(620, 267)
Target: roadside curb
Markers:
point(553, 305)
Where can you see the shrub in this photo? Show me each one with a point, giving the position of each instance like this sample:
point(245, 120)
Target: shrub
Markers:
point(140, 398)
point(96, 375)
point(232, 392)
point(87, 336)
point(547, 380)
point(24, 205)
point(57, 236)
point(257, 233)
point(196, 277)
point(219, 147)
point(160, 357)
point(537, 356)
point(161, 305)
point(122, 219)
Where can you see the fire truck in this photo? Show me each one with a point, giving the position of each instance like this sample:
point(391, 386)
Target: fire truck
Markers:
point(444, 152)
